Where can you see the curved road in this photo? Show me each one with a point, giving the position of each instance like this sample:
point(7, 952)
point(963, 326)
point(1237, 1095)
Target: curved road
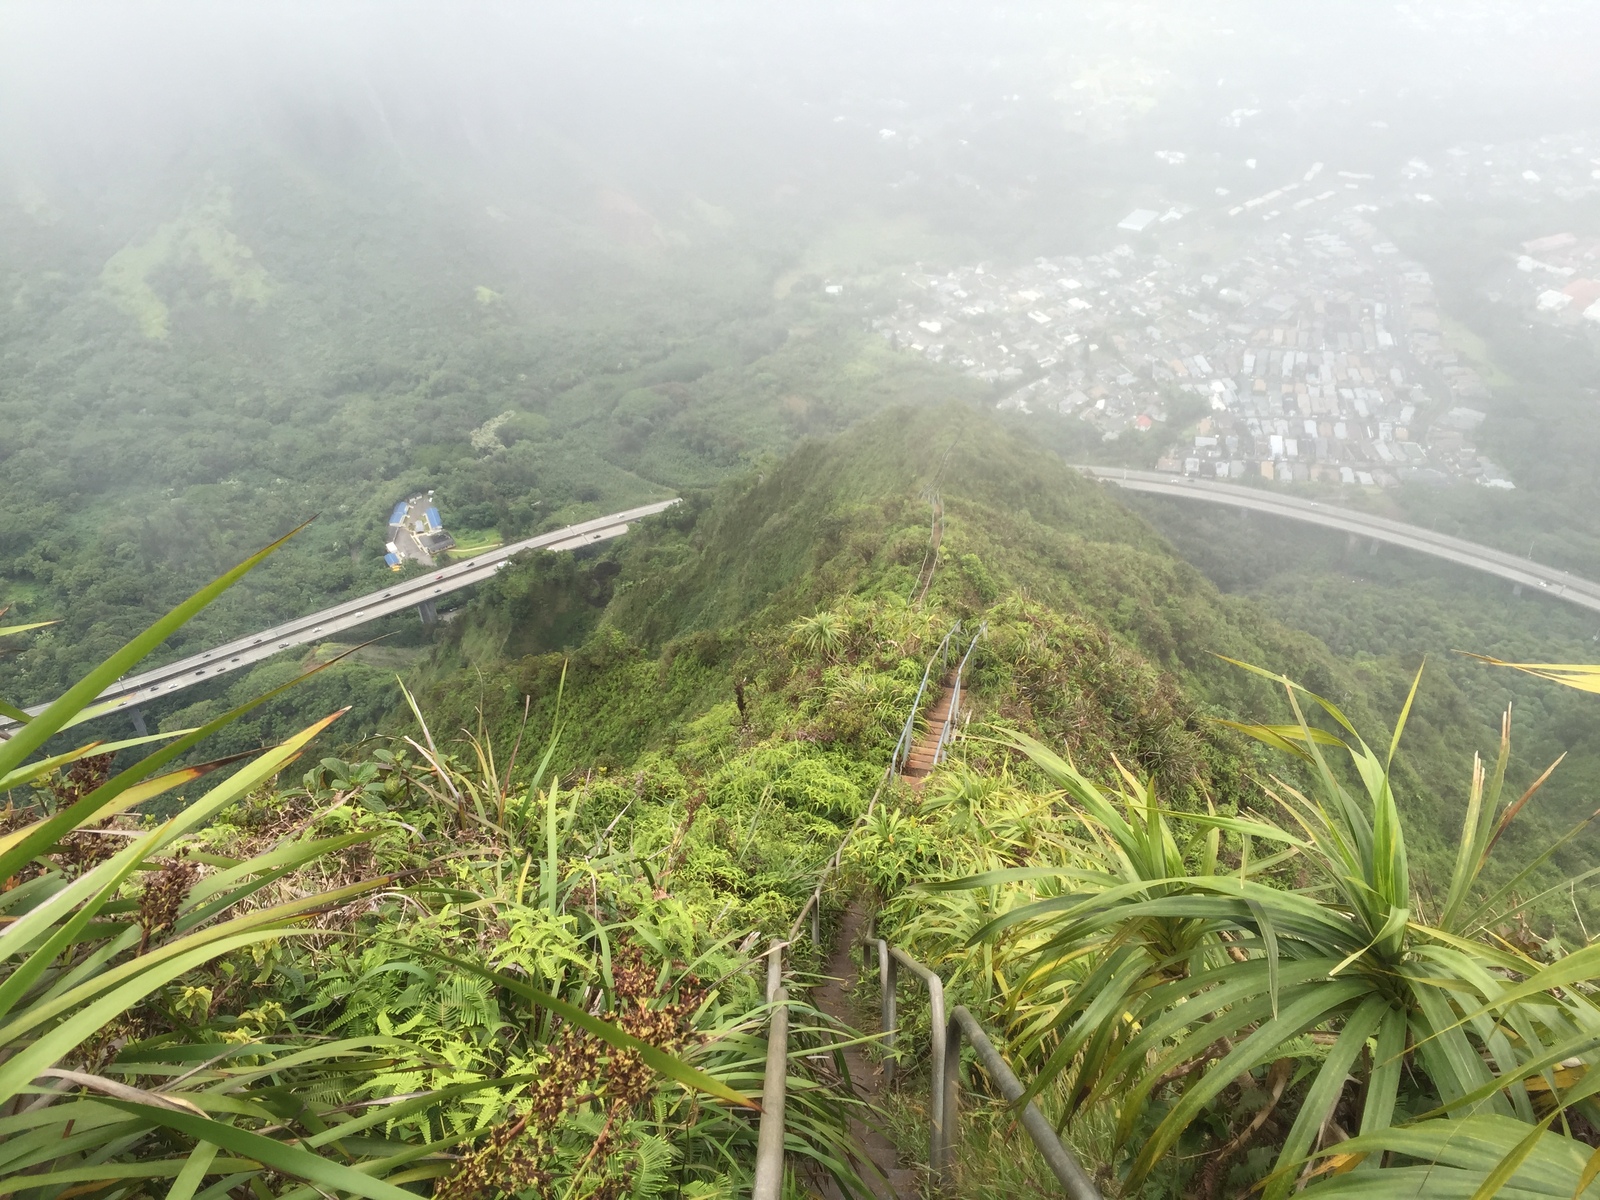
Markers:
point(132, 690)
point(1524, 571)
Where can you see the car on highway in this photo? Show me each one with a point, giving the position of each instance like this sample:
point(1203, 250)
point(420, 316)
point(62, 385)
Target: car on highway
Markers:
point(283, 645)
point(438, 577)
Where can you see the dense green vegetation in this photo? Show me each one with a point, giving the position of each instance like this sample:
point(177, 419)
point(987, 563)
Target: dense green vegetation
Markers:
point(685, 609)
point(622, 771)
point(400, 971)
point(1385, 613)
point(827, 547)
point(187, 370)
point(477, 910)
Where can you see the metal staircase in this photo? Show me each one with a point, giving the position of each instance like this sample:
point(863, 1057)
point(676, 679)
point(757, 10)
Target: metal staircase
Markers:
point(914, 757)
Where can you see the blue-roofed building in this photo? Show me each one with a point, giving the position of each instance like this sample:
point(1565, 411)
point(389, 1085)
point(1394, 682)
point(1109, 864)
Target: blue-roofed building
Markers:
point(416, 533)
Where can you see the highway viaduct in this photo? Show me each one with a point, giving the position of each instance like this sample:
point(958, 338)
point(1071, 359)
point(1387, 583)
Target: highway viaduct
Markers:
point(422, 592)
point(1521, 571)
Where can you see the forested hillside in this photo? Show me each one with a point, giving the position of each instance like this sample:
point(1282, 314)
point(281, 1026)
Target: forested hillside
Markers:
point(592, 879)
point(193, 367)
point(686, 614)
point(513, 940)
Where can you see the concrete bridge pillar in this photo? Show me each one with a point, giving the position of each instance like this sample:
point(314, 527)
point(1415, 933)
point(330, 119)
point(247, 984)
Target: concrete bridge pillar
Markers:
point(429, 612)
point(138, 723)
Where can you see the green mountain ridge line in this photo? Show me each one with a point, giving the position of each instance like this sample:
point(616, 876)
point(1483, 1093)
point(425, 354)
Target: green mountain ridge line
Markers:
point(657, 637)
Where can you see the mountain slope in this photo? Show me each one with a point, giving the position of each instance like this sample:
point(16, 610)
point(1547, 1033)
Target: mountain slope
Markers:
point(1099, 634)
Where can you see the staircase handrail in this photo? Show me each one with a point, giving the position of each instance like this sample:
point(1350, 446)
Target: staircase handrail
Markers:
point(944, 1071)
point(1062, 1164)
point(947, 730)
point(813, 905)
point(945, 1034)
point(774, 1083)
point(889, 959)
point(769, 1144)
point(902, 748)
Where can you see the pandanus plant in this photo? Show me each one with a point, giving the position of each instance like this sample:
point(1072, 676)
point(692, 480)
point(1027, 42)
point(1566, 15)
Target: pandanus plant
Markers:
point(1165, 970)
point(1460, 1147)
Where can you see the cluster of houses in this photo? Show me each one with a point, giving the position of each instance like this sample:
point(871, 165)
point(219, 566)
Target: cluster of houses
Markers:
point(1556, 277)
point(1311, 356)
point(1563, 166)
point(1559, 278)
point(416, 534)
point(1315, 353)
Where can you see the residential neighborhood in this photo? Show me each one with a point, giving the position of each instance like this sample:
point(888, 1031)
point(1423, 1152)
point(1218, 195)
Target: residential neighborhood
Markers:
point(1316, 353)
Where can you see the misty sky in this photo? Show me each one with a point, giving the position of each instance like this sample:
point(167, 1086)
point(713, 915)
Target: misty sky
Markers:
point(745, 94)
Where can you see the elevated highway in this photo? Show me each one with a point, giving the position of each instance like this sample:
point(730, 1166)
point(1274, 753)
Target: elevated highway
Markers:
point(421, 592)
point(1523, 571)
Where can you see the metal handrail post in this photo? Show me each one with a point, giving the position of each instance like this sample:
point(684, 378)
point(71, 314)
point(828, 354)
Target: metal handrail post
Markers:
point(769, 1139)
point(1076, 1182)
point(774, 968)
point(936, 1050)
point(887, 1017)
point(942, 1160)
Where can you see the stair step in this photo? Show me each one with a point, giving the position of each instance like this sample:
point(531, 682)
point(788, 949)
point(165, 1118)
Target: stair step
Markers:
point(920, 760)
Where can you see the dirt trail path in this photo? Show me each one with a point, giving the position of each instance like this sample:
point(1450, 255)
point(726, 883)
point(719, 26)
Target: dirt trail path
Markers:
point(832, 997)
